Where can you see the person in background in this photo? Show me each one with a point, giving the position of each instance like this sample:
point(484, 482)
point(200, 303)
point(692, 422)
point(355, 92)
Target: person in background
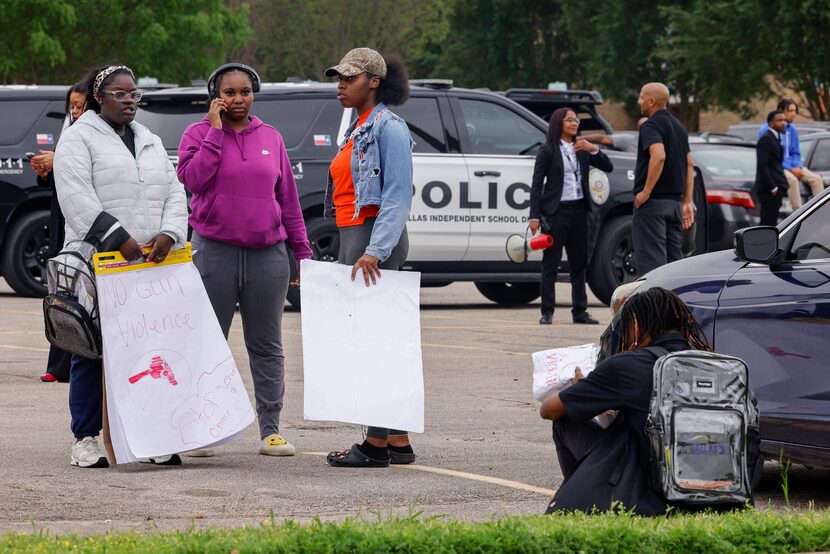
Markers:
point(369, 193)
point(791, 161)
point(770, 180)
point(560, 204)
point(58, 362)
point(245, 215)
point(604, 466)
point(118, 191)
point(625, 142)
point(664, 180)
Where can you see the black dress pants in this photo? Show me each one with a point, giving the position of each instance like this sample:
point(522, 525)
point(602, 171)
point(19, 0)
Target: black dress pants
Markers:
point(657, 230)
point(770, 205)
point(569, 227)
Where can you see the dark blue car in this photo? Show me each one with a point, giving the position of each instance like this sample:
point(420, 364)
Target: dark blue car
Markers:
point(767, 302)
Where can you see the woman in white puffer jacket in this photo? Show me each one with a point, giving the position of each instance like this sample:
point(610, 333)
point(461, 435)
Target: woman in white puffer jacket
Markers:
point(119, 191)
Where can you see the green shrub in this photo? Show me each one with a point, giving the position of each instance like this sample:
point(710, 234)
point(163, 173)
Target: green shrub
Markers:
point(749, 531)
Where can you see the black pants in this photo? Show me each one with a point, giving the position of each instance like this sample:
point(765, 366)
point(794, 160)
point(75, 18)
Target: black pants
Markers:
point(569, 227)
point(770, 205)
point(58, 363)
point(657, 230)
point(573, 441)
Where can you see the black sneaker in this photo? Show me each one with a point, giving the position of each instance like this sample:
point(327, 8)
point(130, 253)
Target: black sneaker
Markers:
point(546, 319)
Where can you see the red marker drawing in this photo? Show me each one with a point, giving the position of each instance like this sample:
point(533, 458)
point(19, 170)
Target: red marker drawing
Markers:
point(158, 369)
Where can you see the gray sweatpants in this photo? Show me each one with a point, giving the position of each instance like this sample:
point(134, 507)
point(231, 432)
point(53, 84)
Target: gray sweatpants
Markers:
point(353, 243)
point(256, 278)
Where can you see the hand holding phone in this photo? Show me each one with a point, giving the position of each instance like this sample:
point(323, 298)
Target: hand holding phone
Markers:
point(217, 106)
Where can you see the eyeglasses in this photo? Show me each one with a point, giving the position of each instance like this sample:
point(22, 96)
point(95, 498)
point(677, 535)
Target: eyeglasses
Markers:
point(121, 95)
point(571, 120)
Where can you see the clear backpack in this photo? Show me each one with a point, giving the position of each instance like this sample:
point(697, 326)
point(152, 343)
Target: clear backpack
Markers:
point(703, 428)
point(70, 309)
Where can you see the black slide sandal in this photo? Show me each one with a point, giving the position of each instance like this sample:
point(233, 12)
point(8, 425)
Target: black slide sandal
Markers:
point(353, 457)
point(401, 458)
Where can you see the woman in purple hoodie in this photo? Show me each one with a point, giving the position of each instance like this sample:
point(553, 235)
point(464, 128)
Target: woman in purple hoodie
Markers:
point(245, 210)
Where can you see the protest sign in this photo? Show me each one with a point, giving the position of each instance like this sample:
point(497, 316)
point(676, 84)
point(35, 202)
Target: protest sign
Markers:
point(171, 382)
point(362, 347)
point(554, 369)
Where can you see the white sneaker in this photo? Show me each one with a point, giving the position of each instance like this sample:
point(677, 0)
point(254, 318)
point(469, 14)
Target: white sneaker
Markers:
point(201, 453)
point(275, 445)
point(87, 453)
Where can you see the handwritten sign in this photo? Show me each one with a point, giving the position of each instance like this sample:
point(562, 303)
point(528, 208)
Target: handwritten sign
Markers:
point(171, 382)
point(362, 347)
point(554, 369)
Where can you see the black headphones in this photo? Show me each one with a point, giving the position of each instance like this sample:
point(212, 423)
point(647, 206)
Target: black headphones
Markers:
point(211, 84)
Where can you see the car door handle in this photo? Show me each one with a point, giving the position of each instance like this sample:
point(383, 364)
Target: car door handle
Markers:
point(487, 173)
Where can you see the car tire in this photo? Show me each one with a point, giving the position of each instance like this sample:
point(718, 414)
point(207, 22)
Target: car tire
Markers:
point(509, 293)
point(612, 263)
point(325, 247)
point(24, 255)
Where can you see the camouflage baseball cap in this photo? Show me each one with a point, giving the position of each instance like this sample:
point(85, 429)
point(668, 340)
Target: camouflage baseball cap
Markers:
point(357, 61)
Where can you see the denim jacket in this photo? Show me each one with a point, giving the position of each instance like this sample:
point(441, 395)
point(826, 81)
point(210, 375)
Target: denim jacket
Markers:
point(382, 174)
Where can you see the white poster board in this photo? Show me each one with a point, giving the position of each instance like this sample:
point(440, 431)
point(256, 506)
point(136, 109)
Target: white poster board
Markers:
point(362, 347)
point(171, 382)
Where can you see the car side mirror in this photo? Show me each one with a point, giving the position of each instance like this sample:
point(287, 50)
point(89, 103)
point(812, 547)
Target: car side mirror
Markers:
point(756, 244)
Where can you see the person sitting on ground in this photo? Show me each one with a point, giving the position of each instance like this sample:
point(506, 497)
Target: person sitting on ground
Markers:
point(607, 469)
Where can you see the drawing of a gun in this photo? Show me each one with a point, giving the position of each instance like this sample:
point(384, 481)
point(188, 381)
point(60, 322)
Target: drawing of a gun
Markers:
point(158, 369)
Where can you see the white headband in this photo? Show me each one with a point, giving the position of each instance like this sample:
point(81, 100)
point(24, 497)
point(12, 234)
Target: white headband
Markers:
point(106, 72)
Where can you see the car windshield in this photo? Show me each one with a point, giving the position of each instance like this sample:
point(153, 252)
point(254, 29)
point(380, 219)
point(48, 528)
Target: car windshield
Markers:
point(727, 162)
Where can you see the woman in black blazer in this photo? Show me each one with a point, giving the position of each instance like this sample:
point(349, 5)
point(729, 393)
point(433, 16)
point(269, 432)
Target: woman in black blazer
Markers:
point(560, 204)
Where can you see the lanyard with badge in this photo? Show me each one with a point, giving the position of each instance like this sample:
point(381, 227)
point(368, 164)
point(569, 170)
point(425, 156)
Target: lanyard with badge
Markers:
point(574, 166)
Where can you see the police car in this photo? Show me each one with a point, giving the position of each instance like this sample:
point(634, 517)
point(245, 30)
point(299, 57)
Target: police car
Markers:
point(32, 118)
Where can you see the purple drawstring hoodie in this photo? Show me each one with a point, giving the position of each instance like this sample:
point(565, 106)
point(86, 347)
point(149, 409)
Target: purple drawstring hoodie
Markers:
point(243, 186)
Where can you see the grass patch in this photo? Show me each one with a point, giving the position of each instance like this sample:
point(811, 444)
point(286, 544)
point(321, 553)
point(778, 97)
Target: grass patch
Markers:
point(749, 531)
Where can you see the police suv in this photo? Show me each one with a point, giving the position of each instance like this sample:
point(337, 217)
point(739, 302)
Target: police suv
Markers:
point(473, 162)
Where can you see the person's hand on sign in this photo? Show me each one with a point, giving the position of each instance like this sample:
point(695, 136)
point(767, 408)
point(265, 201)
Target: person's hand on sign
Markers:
point(160, 246)
point(130, 249)
point(577, 375)
point(369, 265)
point(296, 282)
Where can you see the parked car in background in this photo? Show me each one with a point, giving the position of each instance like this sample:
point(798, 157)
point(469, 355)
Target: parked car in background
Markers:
point(815, 155)
point(749, 131)
point(767, 302)
point(728, 175)
point(544, 102)
point(31, 118)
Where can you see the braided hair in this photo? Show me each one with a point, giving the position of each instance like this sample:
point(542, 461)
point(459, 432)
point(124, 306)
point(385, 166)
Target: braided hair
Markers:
point(655, 312)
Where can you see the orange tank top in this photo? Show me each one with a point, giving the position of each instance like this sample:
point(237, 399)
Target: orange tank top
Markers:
point(343, 197)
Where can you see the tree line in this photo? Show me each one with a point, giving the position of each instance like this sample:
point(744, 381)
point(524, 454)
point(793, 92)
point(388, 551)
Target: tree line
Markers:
point(713, 54)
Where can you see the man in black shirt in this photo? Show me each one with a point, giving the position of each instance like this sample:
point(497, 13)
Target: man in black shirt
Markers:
point(663, 183)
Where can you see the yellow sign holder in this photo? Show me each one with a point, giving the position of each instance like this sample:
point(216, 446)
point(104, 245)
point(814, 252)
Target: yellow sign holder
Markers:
point(107, 263)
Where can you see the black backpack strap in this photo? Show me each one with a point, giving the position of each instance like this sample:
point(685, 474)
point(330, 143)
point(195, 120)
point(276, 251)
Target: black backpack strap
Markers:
point(659, 351)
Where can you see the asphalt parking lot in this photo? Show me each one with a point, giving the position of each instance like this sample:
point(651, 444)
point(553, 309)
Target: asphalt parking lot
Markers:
point(484, 453)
